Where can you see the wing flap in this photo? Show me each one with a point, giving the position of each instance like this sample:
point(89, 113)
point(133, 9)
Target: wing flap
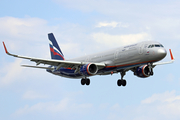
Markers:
point(37, 67)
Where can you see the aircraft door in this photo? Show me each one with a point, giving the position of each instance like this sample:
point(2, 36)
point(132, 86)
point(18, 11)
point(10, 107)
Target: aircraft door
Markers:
point(116, 55)
point(141, 49)
point(146, 50)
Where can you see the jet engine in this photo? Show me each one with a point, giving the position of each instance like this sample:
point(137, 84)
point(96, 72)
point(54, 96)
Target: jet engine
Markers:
point(89, 69)
point(142, 71)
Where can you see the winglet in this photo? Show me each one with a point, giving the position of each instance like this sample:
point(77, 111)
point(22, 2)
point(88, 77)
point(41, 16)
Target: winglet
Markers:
point(172, 58)
point(5, 48)
point(162, 63)
point(8, 52)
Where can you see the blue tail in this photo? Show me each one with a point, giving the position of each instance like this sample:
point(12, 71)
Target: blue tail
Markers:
point(55, 50)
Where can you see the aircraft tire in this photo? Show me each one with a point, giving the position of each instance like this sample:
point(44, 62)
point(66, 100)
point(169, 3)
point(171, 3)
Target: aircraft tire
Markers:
point(151, 73)
point(123, 82)
point(119, 83)
point(87, 81)
point(83, 81)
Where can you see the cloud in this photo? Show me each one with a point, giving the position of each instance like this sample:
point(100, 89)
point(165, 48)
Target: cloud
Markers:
point(20, 33)
point(159, 106)
point(119, 40)
point(161, 20)
point(112, 24)
point(165, 104)
point(28, 36)
point(60, 109)
point(43, 107)
point(102, 6)
point(70, 50)
point(12, 71)
point(163, 97)
point(123, 8)
point(21, 27)
point(31, 95)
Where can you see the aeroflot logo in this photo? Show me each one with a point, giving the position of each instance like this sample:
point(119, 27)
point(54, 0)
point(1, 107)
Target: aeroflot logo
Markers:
point(147, 53)
point(55, 50)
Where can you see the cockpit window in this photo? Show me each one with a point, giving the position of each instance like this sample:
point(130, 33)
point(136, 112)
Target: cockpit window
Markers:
point(156, 45)
point(161, 45)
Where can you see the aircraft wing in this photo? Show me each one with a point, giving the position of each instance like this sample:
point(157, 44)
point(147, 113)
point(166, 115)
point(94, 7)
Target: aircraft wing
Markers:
point(58, 63)
point(162, 63)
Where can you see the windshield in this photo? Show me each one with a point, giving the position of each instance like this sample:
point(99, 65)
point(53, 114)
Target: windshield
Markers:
point(155, 45)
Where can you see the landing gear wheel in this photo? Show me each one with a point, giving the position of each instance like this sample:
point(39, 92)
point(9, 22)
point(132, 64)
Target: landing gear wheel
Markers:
point(123, 82)
point(119, 82)
point(87, 82)
point(151, 73)
point(83, 81)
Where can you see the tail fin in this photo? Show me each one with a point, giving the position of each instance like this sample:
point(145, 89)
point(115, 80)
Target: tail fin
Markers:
point(55, 50)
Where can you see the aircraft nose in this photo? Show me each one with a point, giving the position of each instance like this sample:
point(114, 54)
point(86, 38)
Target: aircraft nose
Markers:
point(161, 52)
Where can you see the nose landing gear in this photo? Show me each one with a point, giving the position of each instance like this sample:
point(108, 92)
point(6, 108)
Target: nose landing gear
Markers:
point(150, 69)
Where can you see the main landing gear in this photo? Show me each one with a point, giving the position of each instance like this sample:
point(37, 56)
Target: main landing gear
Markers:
point(85, 81)
point(122, 81)
point(150, 69)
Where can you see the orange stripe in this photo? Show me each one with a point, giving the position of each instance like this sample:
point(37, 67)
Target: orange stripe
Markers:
point(5, 48)
point(87, 68)
point(143, 71)
point(68, 68)
point(172, 58)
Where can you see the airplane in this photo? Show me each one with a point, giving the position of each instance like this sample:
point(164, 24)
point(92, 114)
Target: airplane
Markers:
point(140, 58)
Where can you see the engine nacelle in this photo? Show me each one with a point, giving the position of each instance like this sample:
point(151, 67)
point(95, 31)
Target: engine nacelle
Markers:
point(89, 69)
point(142, 71)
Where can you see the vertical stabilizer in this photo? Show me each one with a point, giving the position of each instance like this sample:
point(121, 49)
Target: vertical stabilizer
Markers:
point(55, 50)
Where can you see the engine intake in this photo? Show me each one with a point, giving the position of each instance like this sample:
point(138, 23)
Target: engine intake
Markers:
point(89, 69)
point(142, 71)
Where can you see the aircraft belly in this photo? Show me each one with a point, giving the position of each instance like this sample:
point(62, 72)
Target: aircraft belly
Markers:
point(68, 73)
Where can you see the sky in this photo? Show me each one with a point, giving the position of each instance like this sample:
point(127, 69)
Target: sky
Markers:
point(83, 27)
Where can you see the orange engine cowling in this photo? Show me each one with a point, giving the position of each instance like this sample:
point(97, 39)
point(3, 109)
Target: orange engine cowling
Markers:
point(89, 69)
point(142, 71)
